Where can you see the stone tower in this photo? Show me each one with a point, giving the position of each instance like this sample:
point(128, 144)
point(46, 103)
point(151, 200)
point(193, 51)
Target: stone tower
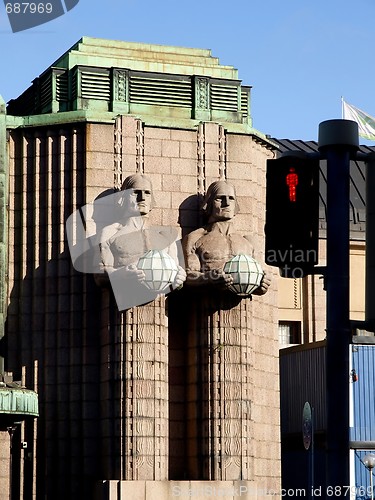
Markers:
point(136, 404)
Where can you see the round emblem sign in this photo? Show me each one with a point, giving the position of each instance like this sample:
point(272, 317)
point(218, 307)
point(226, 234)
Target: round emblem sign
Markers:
point(307, 426)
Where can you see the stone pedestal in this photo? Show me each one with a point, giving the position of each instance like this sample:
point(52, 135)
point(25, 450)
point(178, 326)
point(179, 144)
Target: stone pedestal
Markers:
point(219, 388)
point(134, 391)
point(170, 490)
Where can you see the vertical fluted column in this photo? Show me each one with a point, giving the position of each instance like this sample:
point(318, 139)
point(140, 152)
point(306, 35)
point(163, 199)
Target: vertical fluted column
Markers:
point(145, 392)
point(219, 392)
point(134, 391)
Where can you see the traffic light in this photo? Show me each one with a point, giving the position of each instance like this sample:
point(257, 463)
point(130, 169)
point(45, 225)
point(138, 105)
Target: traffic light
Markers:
point(292, 214)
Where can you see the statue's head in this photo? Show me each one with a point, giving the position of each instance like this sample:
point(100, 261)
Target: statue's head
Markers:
point(138, 196)
point(220, 202)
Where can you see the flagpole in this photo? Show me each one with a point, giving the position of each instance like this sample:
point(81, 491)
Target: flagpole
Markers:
point(342, 107)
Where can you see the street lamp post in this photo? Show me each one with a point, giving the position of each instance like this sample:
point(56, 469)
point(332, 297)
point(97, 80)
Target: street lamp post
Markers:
point(369, 462)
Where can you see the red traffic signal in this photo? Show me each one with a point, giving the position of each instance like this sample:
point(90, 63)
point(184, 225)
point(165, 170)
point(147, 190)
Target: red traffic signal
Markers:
point(292, 214)
point(291, 180)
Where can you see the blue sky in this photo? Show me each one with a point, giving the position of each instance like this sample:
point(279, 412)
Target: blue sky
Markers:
point(300, 56)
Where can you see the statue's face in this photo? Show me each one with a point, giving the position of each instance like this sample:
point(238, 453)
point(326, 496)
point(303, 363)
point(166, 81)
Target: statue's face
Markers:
point(140, 198)
point(224, 203)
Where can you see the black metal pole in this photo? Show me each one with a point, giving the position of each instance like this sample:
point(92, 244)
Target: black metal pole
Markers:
point(337, 140)
point(312, 470)
point(338, 326)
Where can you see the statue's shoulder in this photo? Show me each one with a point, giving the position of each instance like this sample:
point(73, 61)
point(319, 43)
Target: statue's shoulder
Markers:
point(109, 232)
point(170, 232)
point(194, 236)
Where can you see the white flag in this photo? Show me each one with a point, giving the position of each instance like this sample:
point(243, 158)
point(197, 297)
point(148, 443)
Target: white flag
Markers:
point(366, 123)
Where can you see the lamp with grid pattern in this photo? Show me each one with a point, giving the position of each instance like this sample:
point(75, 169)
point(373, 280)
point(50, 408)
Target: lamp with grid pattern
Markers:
point(160, 270)
point(246, 272)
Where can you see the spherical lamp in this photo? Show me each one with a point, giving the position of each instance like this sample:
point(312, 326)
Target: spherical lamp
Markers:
point(369, 460)
point(159, 268)
point(246, 273)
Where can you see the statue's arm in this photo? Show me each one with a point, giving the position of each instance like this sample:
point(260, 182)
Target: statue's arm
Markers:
point(264, 285)
point(181, 273)
point(106, 256)
point(195, 276)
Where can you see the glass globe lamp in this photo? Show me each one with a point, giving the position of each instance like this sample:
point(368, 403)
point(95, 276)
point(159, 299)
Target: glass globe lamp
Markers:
point(159, 268)
point(246, 273)
point(369, 460)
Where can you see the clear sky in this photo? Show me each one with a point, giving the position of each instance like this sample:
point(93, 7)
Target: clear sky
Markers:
point(300, 56)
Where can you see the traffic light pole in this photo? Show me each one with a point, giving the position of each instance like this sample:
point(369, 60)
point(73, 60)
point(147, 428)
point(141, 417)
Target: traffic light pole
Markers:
point(338, 140)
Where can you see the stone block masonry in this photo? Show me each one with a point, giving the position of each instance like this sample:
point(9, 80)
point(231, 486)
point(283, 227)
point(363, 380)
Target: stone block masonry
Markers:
point(125, 397)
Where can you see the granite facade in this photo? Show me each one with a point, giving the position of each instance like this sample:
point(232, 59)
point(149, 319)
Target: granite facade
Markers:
point(118, 393)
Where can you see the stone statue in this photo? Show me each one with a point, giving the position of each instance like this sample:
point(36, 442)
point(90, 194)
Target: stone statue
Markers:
point(219, 345)
point(128, 239)
point(135, 340)
point(208, 248)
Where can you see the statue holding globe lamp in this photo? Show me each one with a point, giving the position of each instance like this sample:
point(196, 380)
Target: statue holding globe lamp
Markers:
point(221, 277)
point(139, 259)
point(215, 255)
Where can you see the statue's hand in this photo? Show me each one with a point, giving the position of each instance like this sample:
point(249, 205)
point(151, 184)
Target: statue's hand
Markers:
point(264, 285)
point(217, 277)
point(132, 272)
point(180, 278)
point(128, 272)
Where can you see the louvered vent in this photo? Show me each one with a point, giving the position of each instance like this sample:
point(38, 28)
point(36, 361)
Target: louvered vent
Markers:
point(62, 87)
point(95, 85)
point(74, 84)
point(244, 102)
point(46, 91)
point(160, 91)
point(224, 97)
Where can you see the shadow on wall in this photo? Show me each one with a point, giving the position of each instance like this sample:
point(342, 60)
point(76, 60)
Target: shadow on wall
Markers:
point(53, 338)
point(190, 216)
point(53, 317)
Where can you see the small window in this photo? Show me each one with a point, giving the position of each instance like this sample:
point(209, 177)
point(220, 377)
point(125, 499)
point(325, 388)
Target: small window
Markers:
point(289, 332)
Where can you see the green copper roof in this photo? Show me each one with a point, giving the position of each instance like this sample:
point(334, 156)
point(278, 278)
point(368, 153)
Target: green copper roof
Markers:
point(162, 82)
point(18, 402)
point(144, 57)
